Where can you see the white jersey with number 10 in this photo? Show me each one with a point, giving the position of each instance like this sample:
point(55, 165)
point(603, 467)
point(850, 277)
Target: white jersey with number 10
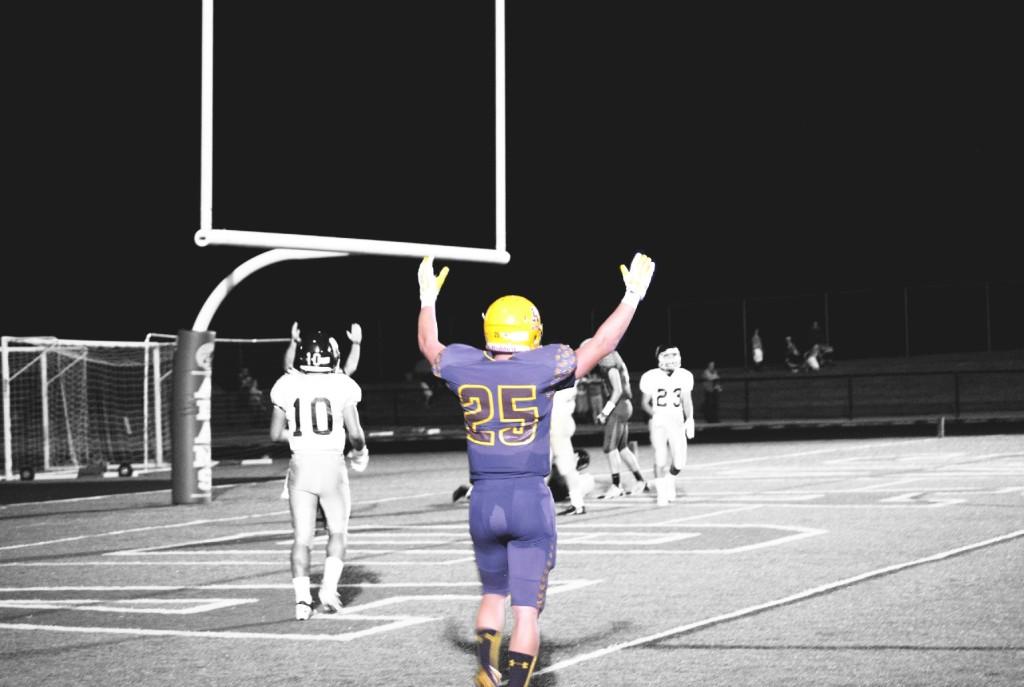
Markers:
point(313, 403)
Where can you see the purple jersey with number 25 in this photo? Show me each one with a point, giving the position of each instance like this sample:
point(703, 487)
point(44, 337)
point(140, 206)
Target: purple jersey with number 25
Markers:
point(507, 405)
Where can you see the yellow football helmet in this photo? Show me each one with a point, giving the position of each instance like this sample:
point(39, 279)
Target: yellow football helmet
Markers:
point(512, 324)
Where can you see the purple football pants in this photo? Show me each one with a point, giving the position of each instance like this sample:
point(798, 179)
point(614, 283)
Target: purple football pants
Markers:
point(512, 523)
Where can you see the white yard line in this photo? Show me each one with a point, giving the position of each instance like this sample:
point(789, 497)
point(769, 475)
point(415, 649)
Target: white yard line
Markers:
point(784, 601)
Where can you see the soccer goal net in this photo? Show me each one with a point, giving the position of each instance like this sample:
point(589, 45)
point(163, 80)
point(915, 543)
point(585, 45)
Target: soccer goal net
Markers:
point(82, 405)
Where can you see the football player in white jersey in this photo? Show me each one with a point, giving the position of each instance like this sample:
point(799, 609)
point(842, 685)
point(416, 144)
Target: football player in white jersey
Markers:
point(315, 411)
point(667, 398)
point(355, 336)
point(563, 426)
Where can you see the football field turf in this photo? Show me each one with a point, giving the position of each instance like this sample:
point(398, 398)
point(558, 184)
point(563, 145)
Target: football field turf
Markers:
point(887, 561)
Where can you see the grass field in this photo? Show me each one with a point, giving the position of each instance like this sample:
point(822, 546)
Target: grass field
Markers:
point(878, 561)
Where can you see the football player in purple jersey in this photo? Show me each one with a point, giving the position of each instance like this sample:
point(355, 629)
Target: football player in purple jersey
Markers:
point(506, 391)
point(615, 415)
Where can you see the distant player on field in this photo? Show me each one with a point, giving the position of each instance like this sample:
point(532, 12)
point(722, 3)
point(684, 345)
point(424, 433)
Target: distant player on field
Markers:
point(615, 415)
point(667, 397)
point(563, 456)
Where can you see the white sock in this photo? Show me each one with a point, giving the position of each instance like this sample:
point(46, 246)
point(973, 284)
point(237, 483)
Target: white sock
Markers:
point(332, 574)
point(661, 487)
point(301, 586)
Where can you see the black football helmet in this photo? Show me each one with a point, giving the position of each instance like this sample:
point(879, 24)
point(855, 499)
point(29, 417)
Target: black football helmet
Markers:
point(317, 352)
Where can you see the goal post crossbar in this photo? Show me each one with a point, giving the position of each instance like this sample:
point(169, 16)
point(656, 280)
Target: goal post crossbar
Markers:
point(337, 244)
point(208, 235)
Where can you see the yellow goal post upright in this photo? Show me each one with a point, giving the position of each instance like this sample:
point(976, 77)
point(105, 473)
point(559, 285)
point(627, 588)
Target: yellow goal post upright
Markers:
point(192, 465)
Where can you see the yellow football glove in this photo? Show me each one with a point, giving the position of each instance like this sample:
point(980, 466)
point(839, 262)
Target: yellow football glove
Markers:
point(355, 333)
point(637, 278)
point(430, 284)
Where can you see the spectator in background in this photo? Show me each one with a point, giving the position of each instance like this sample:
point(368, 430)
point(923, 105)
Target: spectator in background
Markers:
point(811, 362)
point(756, 351)
point(251, 395)
point(424, 378)
point(583, 411)
point(815, 337)
point(794, 361)
point(818, 348)
point(712, 389)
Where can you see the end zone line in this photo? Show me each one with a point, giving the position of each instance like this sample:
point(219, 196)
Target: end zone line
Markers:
point(799, 596)
point(800, 454)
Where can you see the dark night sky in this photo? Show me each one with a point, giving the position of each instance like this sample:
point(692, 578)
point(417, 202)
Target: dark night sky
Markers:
point(750, 152)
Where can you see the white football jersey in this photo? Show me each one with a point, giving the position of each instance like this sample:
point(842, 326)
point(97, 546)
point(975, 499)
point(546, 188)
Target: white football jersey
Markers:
point(312, 403)
point(666, 391)
point(563, 405)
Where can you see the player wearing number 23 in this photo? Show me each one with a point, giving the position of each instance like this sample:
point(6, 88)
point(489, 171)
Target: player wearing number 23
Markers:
point(506, 392)
point(667, 398)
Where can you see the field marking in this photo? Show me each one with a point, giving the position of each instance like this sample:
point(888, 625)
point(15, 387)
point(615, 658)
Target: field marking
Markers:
point(191, 523)
point(801, 454)
point(188, 606)
point(135, 530)
point(880, 486)
point(397, 623)
point(713, 513)
point(916, 497)
point(233, 587)
point(348, 613)
point(115, 494)
point(784, 601)
point(658, 533)
point(899, 457)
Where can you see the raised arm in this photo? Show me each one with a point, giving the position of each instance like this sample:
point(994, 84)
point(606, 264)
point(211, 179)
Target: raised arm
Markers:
point(606, 339)
point(355, 336)
point(289, 353)
point(426, 330)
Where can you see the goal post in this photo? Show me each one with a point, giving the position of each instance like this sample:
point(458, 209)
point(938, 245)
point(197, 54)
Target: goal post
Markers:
point(193, 362)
